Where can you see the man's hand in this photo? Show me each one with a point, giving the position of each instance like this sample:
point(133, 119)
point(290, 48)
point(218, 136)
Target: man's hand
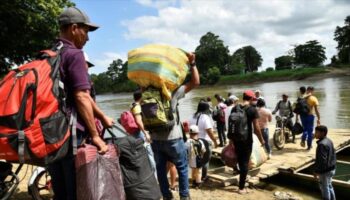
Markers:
point(191, 58)
point(318, 122)
point(316, 176)
point(147, 137)
point(101, 145)
point(107, 122)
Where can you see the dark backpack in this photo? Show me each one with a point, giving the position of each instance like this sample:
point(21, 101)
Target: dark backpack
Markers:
point(138, 176)
point(238, 124)
point(301, 107)
point(219, 114)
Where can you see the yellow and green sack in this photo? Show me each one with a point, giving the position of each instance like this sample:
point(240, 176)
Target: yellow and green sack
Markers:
point(161, 66)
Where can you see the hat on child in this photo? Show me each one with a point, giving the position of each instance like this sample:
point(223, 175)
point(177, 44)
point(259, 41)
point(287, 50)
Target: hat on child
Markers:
point(194, 129)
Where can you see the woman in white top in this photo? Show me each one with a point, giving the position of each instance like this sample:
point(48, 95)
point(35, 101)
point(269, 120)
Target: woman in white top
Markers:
point(203, 120)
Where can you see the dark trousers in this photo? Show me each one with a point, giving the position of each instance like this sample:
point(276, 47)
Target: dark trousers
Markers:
point(221, 132)
point(243, 152)
point(63, 181)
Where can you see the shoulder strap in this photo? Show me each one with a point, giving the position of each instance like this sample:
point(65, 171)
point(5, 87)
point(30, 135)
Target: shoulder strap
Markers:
point(198, 118)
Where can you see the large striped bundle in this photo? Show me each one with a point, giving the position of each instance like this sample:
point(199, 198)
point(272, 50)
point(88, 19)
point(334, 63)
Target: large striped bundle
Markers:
point(160, 66)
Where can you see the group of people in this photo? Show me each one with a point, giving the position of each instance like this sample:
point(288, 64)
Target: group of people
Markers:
point(167, 146)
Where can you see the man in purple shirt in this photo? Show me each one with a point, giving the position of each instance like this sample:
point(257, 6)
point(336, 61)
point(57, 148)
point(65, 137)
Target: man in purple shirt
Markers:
point(74, 28)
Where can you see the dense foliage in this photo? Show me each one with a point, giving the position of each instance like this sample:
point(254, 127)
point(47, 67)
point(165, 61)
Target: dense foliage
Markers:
point(310, 54)
point(342, 36)
point(284, 62)
point(27, 26)
point(248, 57)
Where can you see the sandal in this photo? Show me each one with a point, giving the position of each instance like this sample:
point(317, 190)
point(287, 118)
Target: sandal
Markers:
point(174, 188)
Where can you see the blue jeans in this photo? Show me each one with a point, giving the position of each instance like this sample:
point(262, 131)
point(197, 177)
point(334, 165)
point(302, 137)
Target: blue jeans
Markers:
point(174, 151)
point(265, 134)
point(326, 187)
point(308, 125)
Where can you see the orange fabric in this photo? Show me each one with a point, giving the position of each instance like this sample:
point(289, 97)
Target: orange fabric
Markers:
point(12, 89)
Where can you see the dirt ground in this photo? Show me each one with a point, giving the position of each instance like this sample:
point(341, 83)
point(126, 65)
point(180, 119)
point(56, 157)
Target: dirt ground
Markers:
point(209, 191)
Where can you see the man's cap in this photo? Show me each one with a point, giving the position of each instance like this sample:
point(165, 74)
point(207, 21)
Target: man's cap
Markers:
point(194, 129)
point(73, 15)
point(250, 93)
point(87, 60)
point(233, 98)
point(284, 95)
point(257, 91)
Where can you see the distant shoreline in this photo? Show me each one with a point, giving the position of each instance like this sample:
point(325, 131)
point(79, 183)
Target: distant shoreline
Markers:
point(285, 75)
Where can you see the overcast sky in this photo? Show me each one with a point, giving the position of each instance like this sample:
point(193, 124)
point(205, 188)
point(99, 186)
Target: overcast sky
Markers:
point(271, 26)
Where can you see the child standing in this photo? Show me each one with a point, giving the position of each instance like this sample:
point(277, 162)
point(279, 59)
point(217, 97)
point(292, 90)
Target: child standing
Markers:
point(196, 150)
point(325, 163)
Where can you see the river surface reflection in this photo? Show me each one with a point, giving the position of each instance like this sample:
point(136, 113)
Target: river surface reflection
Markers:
point(333, 95)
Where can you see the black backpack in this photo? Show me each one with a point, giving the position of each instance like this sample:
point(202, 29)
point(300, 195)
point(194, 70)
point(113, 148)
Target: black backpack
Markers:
point(301, 107)
point(238, 124)
point(138, 177)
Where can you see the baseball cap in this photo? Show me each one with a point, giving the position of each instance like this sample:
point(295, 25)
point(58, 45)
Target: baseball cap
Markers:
point(194, 129)
point(73, 15)
point(284, 95)
point(233, 98)
point(250, 93)
point(87, 60)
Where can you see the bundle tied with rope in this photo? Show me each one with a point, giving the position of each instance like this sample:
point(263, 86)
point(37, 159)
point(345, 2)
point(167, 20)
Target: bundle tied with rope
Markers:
point(157, 65)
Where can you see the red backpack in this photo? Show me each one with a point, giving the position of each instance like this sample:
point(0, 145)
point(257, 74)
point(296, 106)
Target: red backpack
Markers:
point(127, 120)
point(34, 127)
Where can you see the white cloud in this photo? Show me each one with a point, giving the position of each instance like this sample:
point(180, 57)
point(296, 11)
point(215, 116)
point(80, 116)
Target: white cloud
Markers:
point(156, 3)
point(271, 26)
point(103, 62)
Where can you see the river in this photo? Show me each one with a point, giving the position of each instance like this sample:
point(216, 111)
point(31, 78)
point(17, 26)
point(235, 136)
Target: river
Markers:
point(333, 95)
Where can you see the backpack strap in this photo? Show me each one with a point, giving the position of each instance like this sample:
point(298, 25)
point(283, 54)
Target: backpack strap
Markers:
point(73, 123)
point(198, 118)
point(21, 146)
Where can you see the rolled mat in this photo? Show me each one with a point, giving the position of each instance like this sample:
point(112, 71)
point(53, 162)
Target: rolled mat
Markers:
point(158, 65)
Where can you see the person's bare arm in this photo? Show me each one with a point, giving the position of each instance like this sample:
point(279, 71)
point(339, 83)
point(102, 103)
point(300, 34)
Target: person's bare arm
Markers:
point(257, 131)
point(195, 81)
point(270, 117)
point(139, 122)
point(212, 137)
point(85, 109)
point(318, 115)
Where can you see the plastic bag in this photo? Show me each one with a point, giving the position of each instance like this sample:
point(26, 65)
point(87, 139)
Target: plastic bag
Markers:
point(98, 176)
point(258, 156)
point(229, 156)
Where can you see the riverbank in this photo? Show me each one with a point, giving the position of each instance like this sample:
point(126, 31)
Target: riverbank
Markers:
point(284, 75)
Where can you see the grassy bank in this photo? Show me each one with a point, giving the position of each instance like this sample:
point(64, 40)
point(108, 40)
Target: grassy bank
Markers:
point(280, 75)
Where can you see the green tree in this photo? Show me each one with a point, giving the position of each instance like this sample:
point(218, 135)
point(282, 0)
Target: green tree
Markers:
point(213, 75)
point(342, 36)
point(284, 62)
point(237, 63)
point(250, 57)
point(27, 26)
point(211, 52)
point(269, 69)
point(102, 83)
point(117, 71)
point(311, 54)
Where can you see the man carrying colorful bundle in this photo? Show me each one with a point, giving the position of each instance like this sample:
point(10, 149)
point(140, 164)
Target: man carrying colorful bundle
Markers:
point(169, 145)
